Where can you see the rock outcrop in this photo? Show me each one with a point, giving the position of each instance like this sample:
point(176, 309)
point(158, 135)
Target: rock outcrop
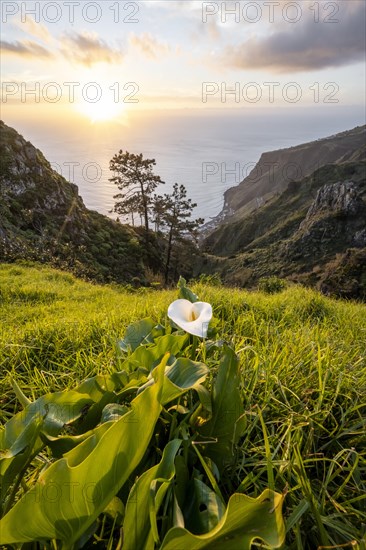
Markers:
point(335, 220)
point(341, 198)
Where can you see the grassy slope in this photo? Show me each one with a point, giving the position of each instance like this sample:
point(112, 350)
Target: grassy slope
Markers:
point(303, 365)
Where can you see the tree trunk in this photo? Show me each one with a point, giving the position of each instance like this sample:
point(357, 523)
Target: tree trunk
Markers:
point(167, 265)
point(146, 214)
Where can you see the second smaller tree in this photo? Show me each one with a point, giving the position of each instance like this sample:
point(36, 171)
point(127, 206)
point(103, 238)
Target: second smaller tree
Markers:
point(176, 217)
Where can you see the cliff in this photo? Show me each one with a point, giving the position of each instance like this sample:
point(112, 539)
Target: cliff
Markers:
point(43, 218)
point(314, 232)
point(276, 169)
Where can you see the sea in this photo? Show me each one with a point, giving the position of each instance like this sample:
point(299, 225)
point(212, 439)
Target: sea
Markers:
point(207, 152)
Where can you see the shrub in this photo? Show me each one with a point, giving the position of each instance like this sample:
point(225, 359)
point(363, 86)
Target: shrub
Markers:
point(210, 280)
point(271, 285)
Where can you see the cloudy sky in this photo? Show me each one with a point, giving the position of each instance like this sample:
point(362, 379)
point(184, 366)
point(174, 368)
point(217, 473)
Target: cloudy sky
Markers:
point(104, 60)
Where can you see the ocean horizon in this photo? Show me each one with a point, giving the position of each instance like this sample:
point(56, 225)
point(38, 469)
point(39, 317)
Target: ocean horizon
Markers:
point(208, 153)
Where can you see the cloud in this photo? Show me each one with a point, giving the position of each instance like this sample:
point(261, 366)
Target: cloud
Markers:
point(24, 48)
point(209, 30)
point(305, 46)
point(88, 49)
point(173, 5)
point(149, 45)
point(34, 29)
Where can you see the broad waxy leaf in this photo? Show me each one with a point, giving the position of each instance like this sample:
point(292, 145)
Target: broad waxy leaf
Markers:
point(227, 423)
point(185, 292)
point(149, 356)
point(20, 440)
point(86, 479)
point(63, 444)
point(137, 525)
point(203, 509)
point(136, 333)
point(57, 409)
point(104, 390)
point(15, 459)
point(113, 412)
point(183, 375)
point(245, 520)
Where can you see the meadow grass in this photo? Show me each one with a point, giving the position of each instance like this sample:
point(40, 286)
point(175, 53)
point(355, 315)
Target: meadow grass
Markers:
point(303, 380)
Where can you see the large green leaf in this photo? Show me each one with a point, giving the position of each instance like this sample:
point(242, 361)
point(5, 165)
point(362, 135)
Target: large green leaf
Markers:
point(182, 376)
point(74, 490)
point(136, 334)
point(20, 440)
point(149, 356)
point(106, 389)
point(21, 452)
point(227, 422)
point(98, 385)
point(137, 524)
point(57, 409)
point(245, 520)
point(185, 292)
point(203, 507)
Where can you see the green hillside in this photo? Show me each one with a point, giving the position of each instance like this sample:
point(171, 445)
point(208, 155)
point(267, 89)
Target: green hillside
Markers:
point(302, 383)
point(313, 232)
point(43, 218)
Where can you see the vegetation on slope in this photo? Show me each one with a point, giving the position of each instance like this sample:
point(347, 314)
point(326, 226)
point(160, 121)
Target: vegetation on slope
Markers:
point(43, 218)
point(302, 369)
point(303, 234)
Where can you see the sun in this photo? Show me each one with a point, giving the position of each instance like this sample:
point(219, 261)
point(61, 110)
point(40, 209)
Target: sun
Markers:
point(97, 96)
point(100, 111)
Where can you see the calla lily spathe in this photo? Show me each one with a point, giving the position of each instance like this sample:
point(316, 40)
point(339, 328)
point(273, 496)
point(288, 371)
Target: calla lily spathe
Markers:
point(193, 318)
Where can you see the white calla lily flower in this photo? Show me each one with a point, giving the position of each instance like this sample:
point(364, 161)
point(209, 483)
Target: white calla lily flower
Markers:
point(193, 318)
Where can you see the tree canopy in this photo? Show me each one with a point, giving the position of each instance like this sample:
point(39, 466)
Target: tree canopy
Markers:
point(134, 176)
point(171, 213)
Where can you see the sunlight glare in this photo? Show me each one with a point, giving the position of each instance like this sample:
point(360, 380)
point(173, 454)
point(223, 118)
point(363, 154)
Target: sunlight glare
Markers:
point(102, 110)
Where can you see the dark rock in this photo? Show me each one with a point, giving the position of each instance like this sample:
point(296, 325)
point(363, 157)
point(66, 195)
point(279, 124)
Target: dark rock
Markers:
point(341, 198)
point(359, 238)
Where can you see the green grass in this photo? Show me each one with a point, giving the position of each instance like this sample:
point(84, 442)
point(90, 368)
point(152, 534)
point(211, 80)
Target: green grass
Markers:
point(303, 365)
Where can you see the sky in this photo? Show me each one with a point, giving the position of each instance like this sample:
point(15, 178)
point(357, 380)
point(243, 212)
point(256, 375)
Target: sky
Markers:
point(110, 60)
point(186, 82)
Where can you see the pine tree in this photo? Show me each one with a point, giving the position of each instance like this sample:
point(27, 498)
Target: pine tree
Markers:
point(134, 176)
point(176, 218)
point(158, 210)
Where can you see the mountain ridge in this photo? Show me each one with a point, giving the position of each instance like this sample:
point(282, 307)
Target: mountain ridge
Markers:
point(275, 169)
point(43, 218)
point(314, 232)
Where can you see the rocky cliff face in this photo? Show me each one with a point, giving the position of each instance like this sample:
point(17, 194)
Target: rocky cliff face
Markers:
point(35, 196)
point(276, 169)
point(335, 220)
point(42, 217)
point(341, 198)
